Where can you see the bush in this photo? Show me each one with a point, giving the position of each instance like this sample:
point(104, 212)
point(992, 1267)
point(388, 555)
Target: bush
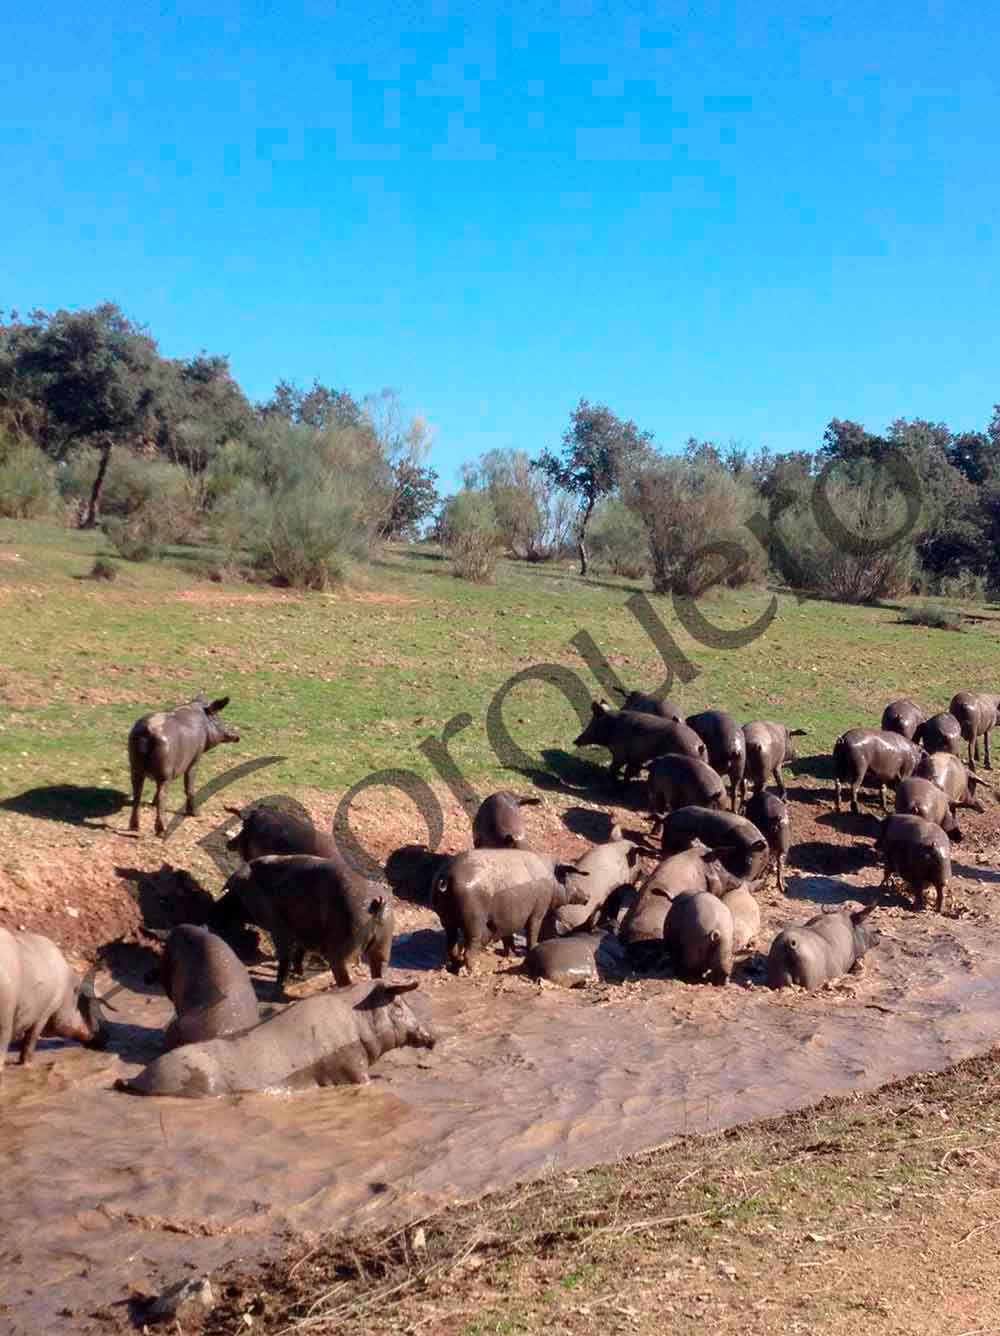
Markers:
point(135, 539)
point(472, 536)
point(941, 619)
point(618, 541)
point(103, 569)
point(27, 487)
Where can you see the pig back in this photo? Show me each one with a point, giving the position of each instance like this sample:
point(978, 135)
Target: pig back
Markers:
point(571, 962)
point(323, 904)
point(208, 985)
point(742, 848)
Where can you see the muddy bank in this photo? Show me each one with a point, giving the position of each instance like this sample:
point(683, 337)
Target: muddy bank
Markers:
point(104, 1192)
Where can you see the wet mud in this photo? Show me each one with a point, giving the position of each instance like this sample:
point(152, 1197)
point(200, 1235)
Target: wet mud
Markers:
point(106, 1194)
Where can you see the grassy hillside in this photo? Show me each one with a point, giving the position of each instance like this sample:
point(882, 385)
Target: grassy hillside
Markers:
point(345, 684)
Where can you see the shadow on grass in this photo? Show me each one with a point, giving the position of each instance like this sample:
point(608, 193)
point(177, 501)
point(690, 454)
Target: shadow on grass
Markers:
point(71, 803)
point(817, 767)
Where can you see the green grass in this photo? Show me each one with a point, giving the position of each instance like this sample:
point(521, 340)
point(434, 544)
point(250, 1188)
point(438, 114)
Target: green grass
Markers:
point(345, 684)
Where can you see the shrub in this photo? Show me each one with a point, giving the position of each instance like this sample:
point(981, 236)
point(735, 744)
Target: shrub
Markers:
point(472, 536)
point(618, 540)
point(135, 539)
point(27, 487)
point(941, 619)
point(103, 569)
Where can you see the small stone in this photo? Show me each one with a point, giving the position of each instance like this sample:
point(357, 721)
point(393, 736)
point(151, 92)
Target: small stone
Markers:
point(419, 1239)
point(185, 1298)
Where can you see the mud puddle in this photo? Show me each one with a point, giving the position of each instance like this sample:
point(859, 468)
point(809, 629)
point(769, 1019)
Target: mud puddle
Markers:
point(106, 1193)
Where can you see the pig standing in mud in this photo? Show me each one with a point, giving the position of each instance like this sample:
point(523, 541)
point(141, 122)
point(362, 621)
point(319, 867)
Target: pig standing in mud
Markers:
point(327, 1039)
point(40, 996)
point(825, 948)
point(681, 781)
point(958, 784)
point(726, 746)
point(940, 733)
point(599, 872)
point(742, 848)
point(635, 739)
point(317, 904)
point(166, 744)
point(770, 815)
point(903, 717)
point(919, 797)
point(208, 985)
point(977, 717)
point(498, 823)
point(918, 852)
point(699, 937)
point(768, 747)
point(696, 869)
point(870, 752)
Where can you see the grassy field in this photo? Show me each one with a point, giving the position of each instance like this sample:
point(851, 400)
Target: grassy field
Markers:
point(345, 684)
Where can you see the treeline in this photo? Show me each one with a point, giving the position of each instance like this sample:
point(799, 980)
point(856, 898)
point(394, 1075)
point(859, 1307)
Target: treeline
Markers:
point(95, 423)
point(863, 517)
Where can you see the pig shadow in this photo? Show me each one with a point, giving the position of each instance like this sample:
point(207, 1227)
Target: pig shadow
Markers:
point(814, 797)
point(975, 873)
point(131, 964)
point(816, 767)
point(423, 949)
point(71, 803)
point(823, 890)
point(592, 824)
point(862, 825)
point(827, 859)
point(411, 869)
point(167, 897)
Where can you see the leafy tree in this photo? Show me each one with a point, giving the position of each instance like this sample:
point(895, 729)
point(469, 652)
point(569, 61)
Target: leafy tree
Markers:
point(415, 498)
point(598, 452)
point(319, 407)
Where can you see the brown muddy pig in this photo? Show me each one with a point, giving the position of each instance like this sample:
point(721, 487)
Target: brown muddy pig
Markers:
point(940, 733)
point(955, 781)
point(681, 781)
point(208, 985)
point(599, 872)
point(635, 739)
point(330, 1038)
point(825, 948)
point(695, 869)
point(770, 815)
point(640, 703)
point(317, 904)
point(862, 752)
point(169, 743)
point(726, 746)
point(480, 915)
point(266, 830)
point(743, 849)
point(919, 797)
point(498, 823)
point(916, 851)
point(40, 996)
point(746, 916)
point(580, 958)
point(699, 938)
point(903, 717)
point(977, 716)
point(768, 749)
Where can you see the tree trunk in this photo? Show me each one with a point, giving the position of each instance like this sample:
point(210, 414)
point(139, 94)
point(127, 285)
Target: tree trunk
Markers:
point(581, 542)
point(93, 507)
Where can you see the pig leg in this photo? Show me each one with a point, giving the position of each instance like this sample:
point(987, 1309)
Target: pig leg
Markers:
point(138, 782)
point(881, 794)
point(781, 878)
point(780, 782)
point(189, 790)
point(377, 959)
point(159, 827)
point(6, 1035)
point(986, 746)
point(29, 1041)
point(341, 973)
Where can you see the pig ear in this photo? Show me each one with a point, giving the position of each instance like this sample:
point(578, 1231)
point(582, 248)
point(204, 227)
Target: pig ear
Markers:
point(217, 705)
point(394, 989)
point(798, 732)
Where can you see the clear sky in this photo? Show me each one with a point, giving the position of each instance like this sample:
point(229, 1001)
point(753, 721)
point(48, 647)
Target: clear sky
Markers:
point(726, 220)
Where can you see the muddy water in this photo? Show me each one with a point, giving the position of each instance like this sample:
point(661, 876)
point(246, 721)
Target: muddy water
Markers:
point(105, 1192)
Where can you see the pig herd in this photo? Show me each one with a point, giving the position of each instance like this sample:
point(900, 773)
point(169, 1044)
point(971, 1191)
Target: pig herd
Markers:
point(719, 831)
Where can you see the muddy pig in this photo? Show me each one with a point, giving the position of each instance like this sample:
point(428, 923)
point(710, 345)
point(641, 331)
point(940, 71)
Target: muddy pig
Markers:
point(699, 937)
point(825, 948)
point(634, 739)
point(768, 747)
point(977, 716)
point(916, 851)
point(208, 985)
point(955, 781)
point(746, 916)
point(726, 746)
point(266, 830)
point(903, 717)
point(498, 824)
point(604, 869)
point(696, 869)
point(743, 849)
point(317, 904)
point(770, 815)
point(681, 781)
point(41, 996)
point(581, 957)
point(919, 797)
point(331, 1038)
point(940, 733)
point(862, 752)
point(640, 703)
point(483, 916)
point(169, 743)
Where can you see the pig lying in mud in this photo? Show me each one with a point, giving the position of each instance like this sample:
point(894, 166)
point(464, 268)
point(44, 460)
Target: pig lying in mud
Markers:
point(580, 958)
point(331, 1038)
point(917, 852)
point(317, 904)
point(635, 739)
point(598, 873)
point(696, 869)
point(498, 824)
point(40, 996)
point(825, 948)
point(699, 937)
point(208, 985)
point(169, 743)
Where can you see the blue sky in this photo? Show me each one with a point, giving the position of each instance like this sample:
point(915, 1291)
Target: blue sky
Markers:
point(725, 220)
